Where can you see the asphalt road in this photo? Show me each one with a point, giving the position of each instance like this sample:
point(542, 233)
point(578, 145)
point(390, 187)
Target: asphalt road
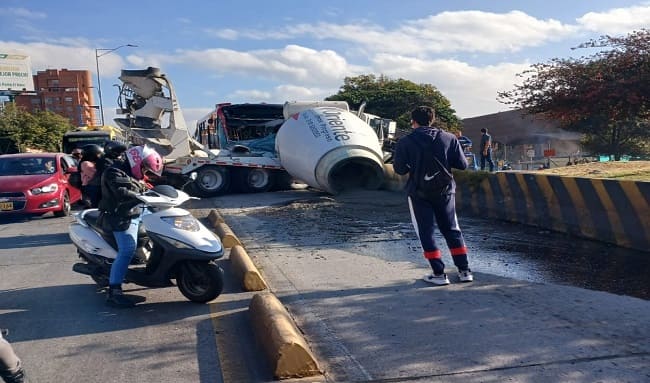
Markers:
point(63, 331)
point(348, 268)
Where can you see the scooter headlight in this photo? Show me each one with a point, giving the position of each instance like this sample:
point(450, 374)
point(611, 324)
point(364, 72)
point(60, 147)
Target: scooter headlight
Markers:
point(184, 222)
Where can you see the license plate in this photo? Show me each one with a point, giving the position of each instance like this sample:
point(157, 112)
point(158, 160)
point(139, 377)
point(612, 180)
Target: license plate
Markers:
point(6, 206)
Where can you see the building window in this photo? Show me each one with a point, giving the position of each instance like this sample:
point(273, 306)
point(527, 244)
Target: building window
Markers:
point(68, 99)
point(53, 83)
point(36, 101)
point(49, 100)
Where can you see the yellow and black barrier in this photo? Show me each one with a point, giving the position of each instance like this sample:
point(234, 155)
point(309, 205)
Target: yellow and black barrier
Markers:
point(607, 210)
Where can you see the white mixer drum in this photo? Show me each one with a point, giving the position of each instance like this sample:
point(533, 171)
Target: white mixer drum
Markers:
point(330, 149)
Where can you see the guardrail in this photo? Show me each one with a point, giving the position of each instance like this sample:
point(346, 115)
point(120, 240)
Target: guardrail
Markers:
point(606, 210)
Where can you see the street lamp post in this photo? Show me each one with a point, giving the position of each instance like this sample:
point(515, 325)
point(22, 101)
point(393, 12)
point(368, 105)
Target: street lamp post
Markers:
point(99, 82)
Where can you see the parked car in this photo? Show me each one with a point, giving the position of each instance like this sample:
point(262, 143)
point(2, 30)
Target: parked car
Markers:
point(37, 183)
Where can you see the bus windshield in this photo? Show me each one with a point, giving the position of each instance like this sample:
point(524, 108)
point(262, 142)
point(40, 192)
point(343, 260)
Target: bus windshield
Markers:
point(78, 141)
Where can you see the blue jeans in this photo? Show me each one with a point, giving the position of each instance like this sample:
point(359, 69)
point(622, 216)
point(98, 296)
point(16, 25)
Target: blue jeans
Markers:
point(487, 158)
point(127, 241)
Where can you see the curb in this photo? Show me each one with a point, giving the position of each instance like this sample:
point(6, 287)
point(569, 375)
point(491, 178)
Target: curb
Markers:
point(228, 238)
point(245, 270)
point(214, 217)
point(287, 350)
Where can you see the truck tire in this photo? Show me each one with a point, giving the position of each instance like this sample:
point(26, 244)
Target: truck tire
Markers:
point(212, 181)
point(254, 180)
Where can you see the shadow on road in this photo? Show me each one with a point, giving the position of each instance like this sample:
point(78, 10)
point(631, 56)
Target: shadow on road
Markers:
point(50, 312)
point(25, 241)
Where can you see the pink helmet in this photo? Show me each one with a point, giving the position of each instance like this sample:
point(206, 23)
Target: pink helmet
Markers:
point(144, 159)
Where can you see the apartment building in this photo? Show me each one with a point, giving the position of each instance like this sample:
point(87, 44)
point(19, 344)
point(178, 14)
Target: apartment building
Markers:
point(68, 93)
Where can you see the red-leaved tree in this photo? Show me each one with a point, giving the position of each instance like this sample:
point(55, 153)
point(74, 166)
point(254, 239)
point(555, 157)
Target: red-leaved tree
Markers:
point(605, 95)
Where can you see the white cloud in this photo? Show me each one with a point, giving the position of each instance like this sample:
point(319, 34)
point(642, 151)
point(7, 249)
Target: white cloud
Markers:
point(48, 56)
point(250, 95)
point(291, 63)
point(22, 13)
point(472, 90)
point(617, 21)
point(280, 94)
point(459, 31)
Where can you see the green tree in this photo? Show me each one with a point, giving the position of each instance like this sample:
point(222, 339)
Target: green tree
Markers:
point(23, 130)
point(395, 99)
point(605, 95)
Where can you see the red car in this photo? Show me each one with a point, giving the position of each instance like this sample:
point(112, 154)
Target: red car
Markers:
point(37, 183)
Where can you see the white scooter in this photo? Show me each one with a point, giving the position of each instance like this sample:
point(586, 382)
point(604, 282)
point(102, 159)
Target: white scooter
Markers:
point(172, 244)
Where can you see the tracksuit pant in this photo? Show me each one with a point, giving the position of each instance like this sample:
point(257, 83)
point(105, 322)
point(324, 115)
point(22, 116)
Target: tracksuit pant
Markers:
point(425, 215)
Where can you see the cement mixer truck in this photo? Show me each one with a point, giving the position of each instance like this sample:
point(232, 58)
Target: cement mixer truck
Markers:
point(255, 147)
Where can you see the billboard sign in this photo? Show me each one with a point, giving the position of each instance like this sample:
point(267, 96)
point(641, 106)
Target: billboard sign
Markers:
point(15, 72)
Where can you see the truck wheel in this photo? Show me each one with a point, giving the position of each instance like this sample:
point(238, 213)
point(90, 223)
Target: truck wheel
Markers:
point(212, 181)
point(200, 281)
point(255, 180)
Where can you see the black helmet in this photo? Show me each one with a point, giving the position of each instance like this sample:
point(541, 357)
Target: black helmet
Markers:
point(114, 149)
point(91, 152)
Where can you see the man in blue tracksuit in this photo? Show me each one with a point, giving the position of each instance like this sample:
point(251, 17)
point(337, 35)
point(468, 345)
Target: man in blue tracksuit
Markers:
point(442, 207)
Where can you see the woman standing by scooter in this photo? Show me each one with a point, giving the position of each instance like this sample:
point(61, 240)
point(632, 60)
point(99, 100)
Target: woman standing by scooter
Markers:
point(118, 212)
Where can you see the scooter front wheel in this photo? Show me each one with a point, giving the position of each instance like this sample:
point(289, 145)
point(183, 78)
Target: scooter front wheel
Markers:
point(200, 281)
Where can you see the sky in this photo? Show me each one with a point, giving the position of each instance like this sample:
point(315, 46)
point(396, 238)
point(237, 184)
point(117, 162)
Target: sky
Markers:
point(276, 51)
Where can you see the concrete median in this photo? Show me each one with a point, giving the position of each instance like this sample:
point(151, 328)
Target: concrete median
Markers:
point(214, 217)
point(227, 236)
point(286, 349)
point(245, 270)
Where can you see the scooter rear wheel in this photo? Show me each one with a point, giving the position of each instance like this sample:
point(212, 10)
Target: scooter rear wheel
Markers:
point(200, 281)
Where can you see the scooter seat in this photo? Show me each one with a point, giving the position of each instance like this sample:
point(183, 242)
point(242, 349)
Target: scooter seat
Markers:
point(92, 219)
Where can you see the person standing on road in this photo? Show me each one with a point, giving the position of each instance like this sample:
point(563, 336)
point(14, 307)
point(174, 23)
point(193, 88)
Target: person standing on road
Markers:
point(11, 368)
point(119, 215)
point(486, 150)
point(440, 207)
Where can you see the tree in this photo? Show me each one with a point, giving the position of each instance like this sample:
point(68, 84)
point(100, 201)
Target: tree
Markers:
point(395, 99)
point(606, 95)
point(22, 130)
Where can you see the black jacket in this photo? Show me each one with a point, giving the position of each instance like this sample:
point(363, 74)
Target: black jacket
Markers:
point(406, 159)
point(116, 206)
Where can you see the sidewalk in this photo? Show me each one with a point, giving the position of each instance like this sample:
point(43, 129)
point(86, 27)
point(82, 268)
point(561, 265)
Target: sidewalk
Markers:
point(368, 316)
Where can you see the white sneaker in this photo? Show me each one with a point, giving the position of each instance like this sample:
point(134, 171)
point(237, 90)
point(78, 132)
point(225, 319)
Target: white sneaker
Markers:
point(438, 280)
point(466, 276)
